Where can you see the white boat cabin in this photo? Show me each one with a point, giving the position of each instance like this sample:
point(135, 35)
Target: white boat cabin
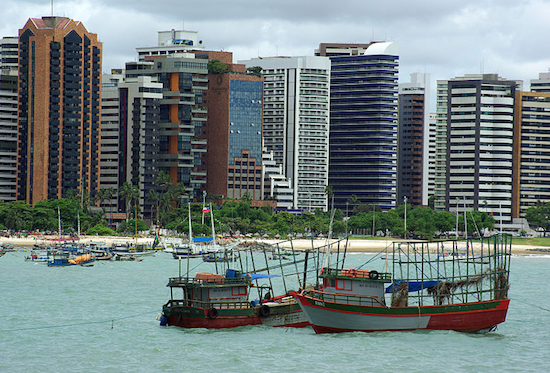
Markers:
point(368, 286)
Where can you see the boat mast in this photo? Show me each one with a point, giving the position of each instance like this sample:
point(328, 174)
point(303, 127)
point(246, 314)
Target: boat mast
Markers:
point(213, 231)
point(456, 230)
point(135, 221)
point(327, 258)
point(191, 246)
point(59, 225)
point(465, 223)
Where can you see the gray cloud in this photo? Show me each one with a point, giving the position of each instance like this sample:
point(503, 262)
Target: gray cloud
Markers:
point(444, 38)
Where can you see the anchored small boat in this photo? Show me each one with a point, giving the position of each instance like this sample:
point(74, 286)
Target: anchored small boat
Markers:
point(217, 301)
point(467, 293)
point(64, 258)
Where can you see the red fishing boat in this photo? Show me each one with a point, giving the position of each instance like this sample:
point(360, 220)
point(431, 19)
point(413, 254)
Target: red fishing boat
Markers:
point(467, 293)
point(216, 301)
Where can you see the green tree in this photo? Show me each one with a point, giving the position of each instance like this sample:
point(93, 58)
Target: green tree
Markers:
point(109, 194)
point(420, 221)
point(538, 216)
point(16, 215)
point(128, 193)
point(153, 196)
point(392, 221)
point(431, 201)
point(217, 67)
point(254, 70)
point(129, 227)
point(100, 230)
point(102, 195)
point(444, 221)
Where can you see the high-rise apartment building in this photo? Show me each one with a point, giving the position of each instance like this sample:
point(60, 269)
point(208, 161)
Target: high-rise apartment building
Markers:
point(296, 124)
point(129, 136)
point(234, 131)
point(479, 133)
point(363, 122)
point(432, 135)
point(413, 168)
point(8, 117)
point(59, 109)
point(440, 181)
point(183, 114)
point(532, 146)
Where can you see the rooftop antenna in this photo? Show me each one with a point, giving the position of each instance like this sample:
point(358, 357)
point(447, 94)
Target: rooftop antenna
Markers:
point(52, 7)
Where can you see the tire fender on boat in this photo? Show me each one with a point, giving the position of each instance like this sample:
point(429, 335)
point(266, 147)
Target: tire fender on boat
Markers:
point(265, 311)
point(212, 313)
point(373, 275)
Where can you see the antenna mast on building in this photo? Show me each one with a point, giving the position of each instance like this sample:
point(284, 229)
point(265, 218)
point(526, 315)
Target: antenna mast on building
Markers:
point(52, 8)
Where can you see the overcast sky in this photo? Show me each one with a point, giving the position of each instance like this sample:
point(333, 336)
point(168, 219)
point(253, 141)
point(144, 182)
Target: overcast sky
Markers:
point(446, 38)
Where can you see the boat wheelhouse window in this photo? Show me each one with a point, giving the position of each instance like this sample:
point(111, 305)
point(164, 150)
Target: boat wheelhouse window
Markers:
point(240, 290)
point(343, 284)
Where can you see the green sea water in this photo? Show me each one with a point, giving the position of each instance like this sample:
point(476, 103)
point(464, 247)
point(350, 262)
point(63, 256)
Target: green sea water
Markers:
point(103, 319)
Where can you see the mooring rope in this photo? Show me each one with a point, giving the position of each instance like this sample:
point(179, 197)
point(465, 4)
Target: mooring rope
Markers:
point(111, 321)
point(530, 304)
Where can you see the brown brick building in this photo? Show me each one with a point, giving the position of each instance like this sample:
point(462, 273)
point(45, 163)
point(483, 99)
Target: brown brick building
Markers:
point(59, 109)
point(234, 131)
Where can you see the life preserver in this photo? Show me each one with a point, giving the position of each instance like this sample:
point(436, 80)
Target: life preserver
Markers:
point(352, 272)
point(212, 313)
point(265, 311)
point(373, 275)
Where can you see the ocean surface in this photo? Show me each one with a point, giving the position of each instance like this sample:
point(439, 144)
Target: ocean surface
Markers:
point(103, 319)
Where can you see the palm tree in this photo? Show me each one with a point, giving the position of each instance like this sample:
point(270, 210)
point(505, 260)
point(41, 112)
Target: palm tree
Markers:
point(329, 193)
point(164, 180)
point(352, 201)
point(101, 196)
point(128, 193)
point(109, 194)
point(152, 195)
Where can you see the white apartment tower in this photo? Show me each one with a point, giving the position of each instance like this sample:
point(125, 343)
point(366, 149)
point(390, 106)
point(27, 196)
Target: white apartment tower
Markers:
point(296, 123)
point(479, 133)
point(8, 117)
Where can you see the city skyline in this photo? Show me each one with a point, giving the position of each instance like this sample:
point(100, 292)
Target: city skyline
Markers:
point(443, 39)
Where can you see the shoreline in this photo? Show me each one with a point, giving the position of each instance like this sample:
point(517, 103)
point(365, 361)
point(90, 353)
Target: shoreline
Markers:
point(354, 245)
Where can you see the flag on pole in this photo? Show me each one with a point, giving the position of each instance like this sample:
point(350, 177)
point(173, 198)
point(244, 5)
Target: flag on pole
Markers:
point(206, 209)
point(157, 240)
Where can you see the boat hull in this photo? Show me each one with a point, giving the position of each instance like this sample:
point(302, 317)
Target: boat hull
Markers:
point(193, 317)
point(328, 317)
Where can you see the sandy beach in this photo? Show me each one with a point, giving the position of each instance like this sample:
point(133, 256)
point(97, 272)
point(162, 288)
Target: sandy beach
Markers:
point(354, 245)
point(362, 245)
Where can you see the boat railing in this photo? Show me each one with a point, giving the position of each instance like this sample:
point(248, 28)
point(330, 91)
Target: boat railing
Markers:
point(356, 274)
point(182, 281)
point(352, 299)
point(207, 305)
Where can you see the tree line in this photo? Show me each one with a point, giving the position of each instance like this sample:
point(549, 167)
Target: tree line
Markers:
point(239, 216)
